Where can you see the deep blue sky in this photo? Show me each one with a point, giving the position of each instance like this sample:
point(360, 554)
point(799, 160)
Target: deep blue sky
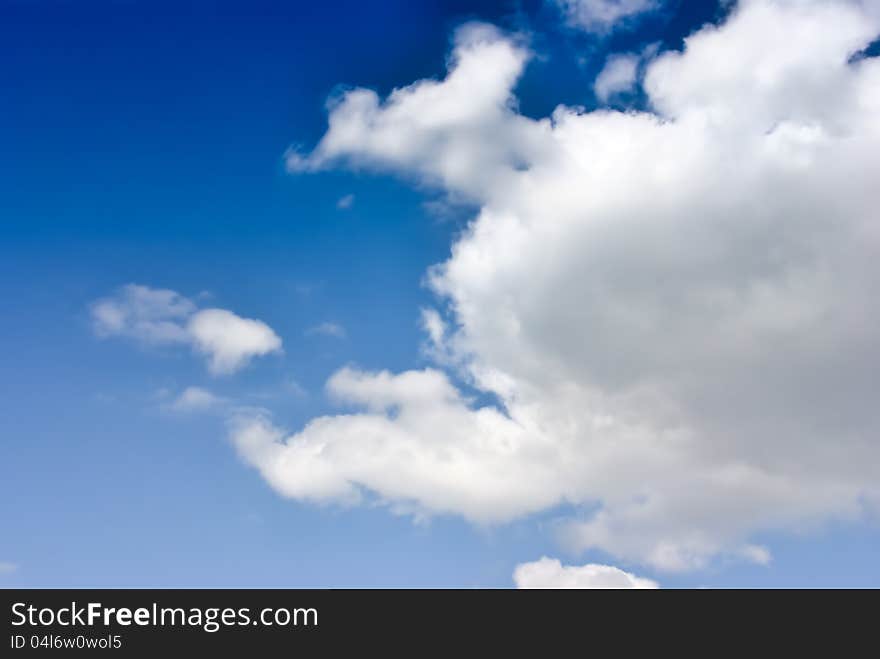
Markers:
point(143, 141)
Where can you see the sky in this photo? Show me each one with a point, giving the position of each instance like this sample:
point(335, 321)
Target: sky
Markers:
point(550, 293)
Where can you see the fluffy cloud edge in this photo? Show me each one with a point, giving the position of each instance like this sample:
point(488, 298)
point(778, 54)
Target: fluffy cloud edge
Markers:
point(550, 573)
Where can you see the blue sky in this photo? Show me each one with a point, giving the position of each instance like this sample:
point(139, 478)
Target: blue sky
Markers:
point(144, 143)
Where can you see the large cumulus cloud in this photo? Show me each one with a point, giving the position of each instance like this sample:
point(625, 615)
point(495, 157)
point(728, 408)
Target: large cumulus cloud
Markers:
point(676, 309)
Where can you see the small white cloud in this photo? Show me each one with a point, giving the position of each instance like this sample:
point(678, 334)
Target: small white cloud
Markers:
point(161, 317)
point(603, 16)
point(230, 341)
point(7, 567)
point(327, 329)
point(196, 399)
point(618, 76)
point(345, 202)
point(550, 573)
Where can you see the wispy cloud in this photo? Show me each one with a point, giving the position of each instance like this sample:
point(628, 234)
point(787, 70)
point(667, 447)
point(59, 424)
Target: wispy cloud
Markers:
point(196, 399)
point(604, 16)
point(287, 389)
point(334, 330)
point(345, 202)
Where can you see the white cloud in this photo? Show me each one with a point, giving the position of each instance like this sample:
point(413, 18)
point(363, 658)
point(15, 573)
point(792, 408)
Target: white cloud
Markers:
point(196, 399)
point(459, 132)
point(677, 311)
point(7, 567)
point(418, 446)
point(617, 76)
point(345, 202)
point(602, 16)
point(550, 573)
point(229, 341)
point(157, 316)
point(334, 330)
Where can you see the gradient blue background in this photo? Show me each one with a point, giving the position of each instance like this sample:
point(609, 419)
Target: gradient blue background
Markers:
point(143, 142)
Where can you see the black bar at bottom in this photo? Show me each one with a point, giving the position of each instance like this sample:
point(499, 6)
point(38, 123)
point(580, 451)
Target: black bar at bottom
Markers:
point(417, 622)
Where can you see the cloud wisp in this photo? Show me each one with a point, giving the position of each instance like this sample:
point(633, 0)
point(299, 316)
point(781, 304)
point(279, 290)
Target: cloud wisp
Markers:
point(327, 328)
point(604, 16)
point(196, 399)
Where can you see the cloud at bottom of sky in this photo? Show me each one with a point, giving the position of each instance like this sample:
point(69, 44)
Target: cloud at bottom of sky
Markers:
point(551, 573)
